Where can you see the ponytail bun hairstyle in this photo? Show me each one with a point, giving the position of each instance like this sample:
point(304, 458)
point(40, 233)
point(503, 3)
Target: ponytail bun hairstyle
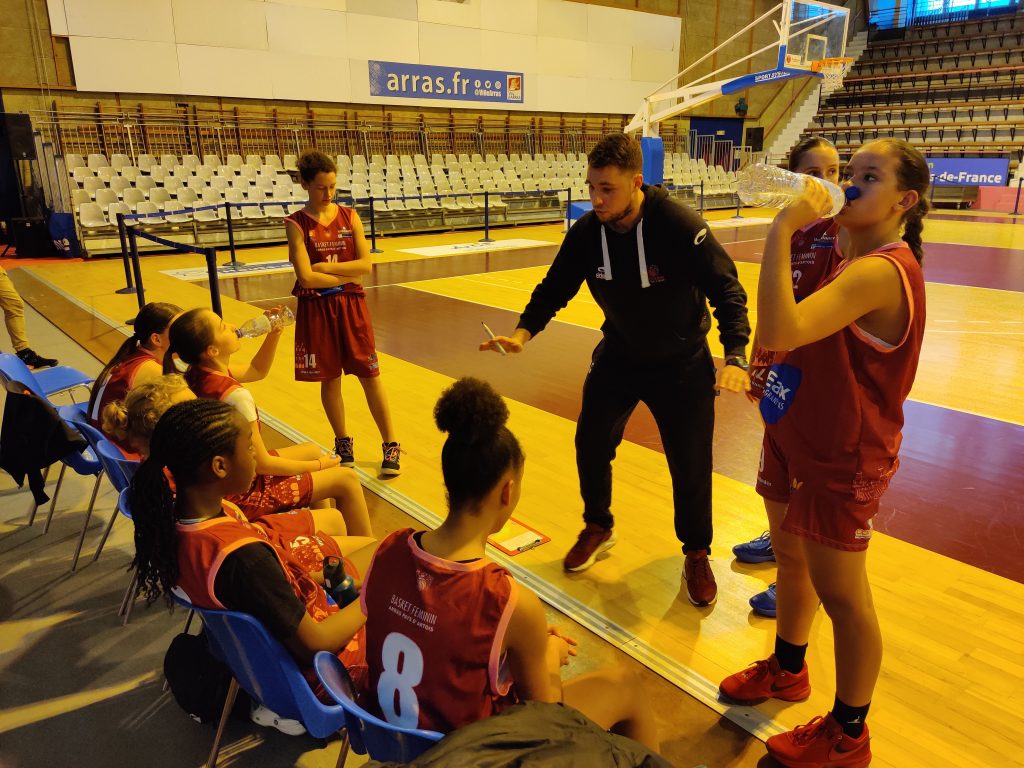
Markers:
point(133, 419)
point(480, 449)
point(190, 335)
point(152, 318)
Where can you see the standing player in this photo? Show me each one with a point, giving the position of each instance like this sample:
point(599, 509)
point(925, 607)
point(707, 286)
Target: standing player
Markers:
point(651, 264)
point(833, 406)
point(333, 332)
point(814, 254)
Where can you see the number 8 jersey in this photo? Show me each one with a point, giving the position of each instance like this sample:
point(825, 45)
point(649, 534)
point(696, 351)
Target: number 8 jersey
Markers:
point(434, 634)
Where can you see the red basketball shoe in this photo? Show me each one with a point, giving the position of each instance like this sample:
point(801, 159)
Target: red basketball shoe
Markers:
point(820, 744)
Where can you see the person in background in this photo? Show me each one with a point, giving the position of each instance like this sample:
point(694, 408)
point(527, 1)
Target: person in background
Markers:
point(14, 318)
point(131, 421)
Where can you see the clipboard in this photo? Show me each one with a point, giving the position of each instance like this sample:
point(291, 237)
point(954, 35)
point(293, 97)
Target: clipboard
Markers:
point(516, 537)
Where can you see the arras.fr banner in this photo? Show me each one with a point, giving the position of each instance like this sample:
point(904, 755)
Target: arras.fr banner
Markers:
point(423, 81)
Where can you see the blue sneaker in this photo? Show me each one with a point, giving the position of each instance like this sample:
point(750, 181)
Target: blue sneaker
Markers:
point(763, 603)
point(757, 551)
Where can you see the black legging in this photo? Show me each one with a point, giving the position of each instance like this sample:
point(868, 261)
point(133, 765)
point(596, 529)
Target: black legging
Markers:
point(680, 393)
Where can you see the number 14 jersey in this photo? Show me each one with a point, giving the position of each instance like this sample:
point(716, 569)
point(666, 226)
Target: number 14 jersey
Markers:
point(434, 634)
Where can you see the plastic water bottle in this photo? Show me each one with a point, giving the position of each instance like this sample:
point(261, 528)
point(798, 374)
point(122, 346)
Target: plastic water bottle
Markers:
point(265, 323)
point(768, 186)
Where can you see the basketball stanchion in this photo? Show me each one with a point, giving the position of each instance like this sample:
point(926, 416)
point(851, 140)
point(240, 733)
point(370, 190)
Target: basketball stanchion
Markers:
point(373, 230)
point(125, 257)
point(487, 219)
point(233, 263)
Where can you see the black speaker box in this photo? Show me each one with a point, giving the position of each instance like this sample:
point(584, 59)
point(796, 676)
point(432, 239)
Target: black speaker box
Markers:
point(16, 132)
point(755, 139)
point(31, 238)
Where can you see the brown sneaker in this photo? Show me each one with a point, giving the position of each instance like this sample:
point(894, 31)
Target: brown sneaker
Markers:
point(700, 581)
point(765, 680)
point(592, 541)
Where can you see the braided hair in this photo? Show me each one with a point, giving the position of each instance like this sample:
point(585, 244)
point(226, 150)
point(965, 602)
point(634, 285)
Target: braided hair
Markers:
point(189, 337)
point(152, 318)
point(912, 173)
point(479, 448)
point(185, 440)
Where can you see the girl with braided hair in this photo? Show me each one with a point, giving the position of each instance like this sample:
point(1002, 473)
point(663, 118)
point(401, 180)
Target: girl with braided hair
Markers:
point(470, 640)
point(138, 360)
point(190, 539)
point(291, 477)
point(833, 408)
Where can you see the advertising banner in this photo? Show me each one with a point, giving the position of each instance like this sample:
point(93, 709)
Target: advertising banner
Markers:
point(423, 81)
point(969, 171)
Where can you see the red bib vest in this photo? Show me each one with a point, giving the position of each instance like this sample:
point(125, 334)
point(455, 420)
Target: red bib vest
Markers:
point(332, 243)
point(116, 387)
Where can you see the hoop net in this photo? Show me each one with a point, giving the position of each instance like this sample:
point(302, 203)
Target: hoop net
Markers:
point(832, 71)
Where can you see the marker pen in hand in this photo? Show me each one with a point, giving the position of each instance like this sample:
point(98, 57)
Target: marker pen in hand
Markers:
point(490, 334)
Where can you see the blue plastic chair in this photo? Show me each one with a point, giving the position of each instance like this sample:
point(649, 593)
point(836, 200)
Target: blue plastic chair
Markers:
point(118, 470)
point(267, 672)
point(366, 733)
point(84, 463)
point(46, 382)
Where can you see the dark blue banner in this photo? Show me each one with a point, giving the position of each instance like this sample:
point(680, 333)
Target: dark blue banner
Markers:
point(423, 81)
point(969, 171)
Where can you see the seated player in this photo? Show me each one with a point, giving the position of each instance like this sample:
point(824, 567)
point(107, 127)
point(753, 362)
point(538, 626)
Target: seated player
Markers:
point(290, 477)
point(451, 638)
point(138, 360)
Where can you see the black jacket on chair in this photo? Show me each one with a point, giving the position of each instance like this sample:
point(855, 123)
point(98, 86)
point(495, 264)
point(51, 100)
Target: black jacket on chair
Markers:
point(33, 437)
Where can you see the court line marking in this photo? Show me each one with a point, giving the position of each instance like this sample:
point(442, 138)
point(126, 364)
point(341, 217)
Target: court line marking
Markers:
point(703, 690)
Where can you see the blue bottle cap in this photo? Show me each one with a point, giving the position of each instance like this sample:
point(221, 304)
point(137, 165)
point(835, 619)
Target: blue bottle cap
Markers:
point(852, 193)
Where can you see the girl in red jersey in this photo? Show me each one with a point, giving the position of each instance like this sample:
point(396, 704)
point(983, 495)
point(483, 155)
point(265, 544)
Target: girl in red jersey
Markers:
point(814, 253)
point(333, 332)
point(138, 360)
point(287, 478)
point(469, 639)
point(133, 419)
point(833, 406)
point(195, 541)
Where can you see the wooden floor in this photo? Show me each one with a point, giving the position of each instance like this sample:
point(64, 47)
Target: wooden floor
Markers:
point(950, 692)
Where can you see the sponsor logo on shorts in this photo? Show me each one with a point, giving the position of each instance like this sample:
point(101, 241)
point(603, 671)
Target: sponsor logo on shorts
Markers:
point(654, 274)
point(863, 534)
point(371, 362)
point(699, 238)
point(600, 274)
point(795, 484)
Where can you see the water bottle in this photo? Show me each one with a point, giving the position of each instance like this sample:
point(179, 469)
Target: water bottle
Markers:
point(265, 323)
point(339, 585)
point(768, 186)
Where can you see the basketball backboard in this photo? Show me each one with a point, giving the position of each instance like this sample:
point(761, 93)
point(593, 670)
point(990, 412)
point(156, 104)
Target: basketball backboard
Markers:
point(799, 36)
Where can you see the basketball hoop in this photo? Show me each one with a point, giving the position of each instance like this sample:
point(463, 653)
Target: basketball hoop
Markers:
point(832, 71)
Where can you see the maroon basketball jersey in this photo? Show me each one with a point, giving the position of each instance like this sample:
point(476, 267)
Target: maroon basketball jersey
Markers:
point(434, 634)
point(839, 401)
point(118, 383)
point(333, 243)
point(814, 253)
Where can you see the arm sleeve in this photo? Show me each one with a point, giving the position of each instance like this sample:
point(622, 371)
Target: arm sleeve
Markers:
point(250, 580)
point(560, 284)
point(717, 279)
point(242, 400)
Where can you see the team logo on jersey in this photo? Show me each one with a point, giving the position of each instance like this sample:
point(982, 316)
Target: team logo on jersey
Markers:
point(600, 273)
point(780, 387)
point(423, 581)
point(699, 238)
point(824, 242)
point(654, 274)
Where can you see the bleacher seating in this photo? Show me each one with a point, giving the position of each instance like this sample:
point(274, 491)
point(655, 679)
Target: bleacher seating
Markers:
point(953, 89)
point(408, 192)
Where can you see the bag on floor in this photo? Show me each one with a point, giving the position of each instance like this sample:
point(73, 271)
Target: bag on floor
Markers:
point(197, 679)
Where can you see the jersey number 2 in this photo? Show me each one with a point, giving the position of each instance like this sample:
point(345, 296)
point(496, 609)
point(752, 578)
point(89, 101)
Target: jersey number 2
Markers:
point(403, 670)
